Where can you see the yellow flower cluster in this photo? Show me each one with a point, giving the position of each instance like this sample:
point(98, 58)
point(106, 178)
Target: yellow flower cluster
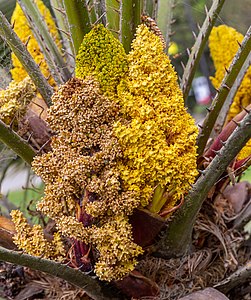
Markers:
point(101, 55)
point(81, 171)
point(14, 100)
point(115, 245)
point(223, 47)
point(33, 241)
point(23, 30)
point(158, 138)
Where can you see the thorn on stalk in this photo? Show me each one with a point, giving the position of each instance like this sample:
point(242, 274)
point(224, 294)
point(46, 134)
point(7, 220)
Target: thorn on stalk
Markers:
point(182, 64)
point(47, 49)
point(217, 152)
point(173, 21)
point(239, 44)
point(48, 77)
point(101, 16)
point(198, 26)
point(200, 126)
point(202, 172)
point(68, 53)
point(41, 257)
point(41, 37)
point(236, 123)
point(66, 264)
point(63, 31)
point(226, 86)
point(60, 10)
point(208, 109)
point(188, 51)
point(29, 137)
point(81, 266)
point(27, 41)
point(223, 142)
point(246, 110)
point(21, 253)
point(227, 70)
point(206, 10)
point(13, 24)
point(194, 35)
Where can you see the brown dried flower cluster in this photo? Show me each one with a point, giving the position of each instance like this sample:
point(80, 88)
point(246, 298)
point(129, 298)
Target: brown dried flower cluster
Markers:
point(81, 171)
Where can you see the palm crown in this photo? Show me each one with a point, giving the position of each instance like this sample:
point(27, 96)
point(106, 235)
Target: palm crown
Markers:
point(118, 151)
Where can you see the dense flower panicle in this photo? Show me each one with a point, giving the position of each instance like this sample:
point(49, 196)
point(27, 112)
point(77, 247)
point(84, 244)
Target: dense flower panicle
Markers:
point(15, 99)
point(223, 47)
point(158, 138)
point(22, 29)
point(85, 150)
point(116, 248)
point(81, 170)
point(33, 241)
point(101, 55)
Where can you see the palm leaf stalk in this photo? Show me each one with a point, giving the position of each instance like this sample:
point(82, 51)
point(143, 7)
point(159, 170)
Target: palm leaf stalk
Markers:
point(166, 12)
point(93, 287)
point(64, 30)
point(53, 57)
point(151, 8)
point(199, 45)
point(130, 17)
point(16, 143)
point(79, 21)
